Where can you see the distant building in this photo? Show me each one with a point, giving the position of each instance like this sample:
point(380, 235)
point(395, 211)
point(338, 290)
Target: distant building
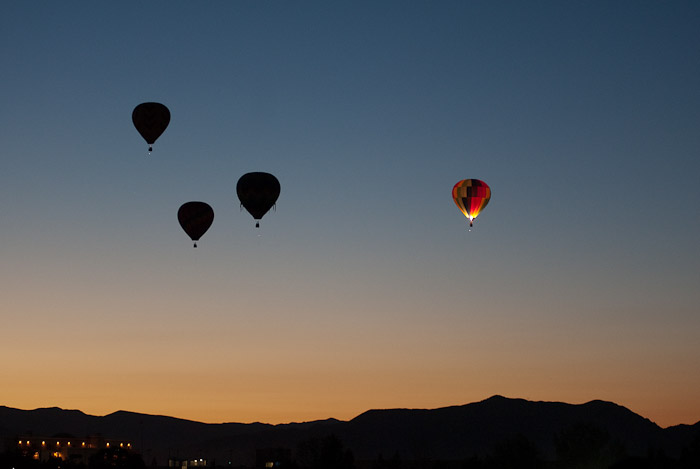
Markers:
point(77, 450)
point(177, 463)
point(271, 458)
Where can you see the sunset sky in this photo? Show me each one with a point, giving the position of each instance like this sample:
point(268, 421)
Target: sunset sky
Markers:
point(364, 289)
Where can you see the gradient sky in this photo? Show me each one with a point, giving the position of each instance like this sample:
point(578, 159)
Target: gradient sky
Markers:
point(365, 289)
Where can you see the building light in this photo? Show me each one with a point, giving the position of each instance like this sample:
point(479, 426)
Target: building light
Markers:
point(27, 442)
point(107, 445)
point(43, 443)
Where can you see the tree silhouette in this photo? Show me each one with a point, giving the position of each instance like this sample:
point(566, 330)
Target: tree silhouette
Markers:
point(584, 446)
point(116, 458)
point(18, 460)
point(473, 462)
point(393, 463)
point(517, 452)
point(322, 453)
point(690, 457)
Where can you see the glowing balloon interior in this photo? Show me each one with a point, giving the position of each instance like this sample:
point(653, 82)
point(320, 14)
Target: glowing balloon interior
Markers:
point(471, 196)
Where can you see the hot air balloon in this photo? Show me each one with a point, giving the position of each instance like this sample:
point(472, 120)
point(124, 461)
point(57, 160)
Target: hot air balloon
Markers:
point(195, 218)
point(258, 192)
point(471, 196)
point(151, 120)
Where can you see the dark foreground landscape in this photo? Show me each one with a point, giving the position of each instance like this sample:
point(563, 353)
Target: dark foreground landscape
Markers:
point(495, 433)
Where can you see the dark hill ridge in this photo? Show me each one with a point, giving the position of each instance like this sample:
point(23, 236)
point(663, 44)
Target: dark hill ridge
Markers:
point(448, 433)
point(460, 431)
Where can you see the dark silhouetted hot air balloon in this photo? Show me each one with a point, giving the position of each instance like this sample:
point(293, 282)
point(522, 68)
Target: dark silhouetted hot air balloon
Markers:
point(471, 196)
point(258, 192)
point(151, 120)
point(195, 218)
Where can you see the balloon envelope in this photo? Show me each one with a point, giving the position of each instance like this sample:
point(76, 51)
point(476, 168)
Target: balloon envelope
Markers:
point(151, 120)
point(258, 193)
point(471, 196)
point(195, 218)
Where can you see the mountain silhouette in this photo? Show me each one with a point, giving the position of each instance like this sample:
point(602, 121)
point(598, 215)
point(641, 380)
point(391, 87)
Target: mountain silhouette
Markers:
point(453, 433)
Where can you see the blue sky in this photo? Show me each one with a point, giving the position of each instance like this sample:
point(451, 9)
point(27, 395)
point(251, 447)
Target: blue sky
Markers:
point(364, 288)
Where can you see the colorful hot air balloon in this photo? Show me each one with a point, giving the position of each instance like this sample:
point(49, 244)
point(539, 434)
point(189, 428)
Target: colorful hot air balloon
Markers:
point(151, 120)
point(195, 218)
point(471, 196)
point(258, 192)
